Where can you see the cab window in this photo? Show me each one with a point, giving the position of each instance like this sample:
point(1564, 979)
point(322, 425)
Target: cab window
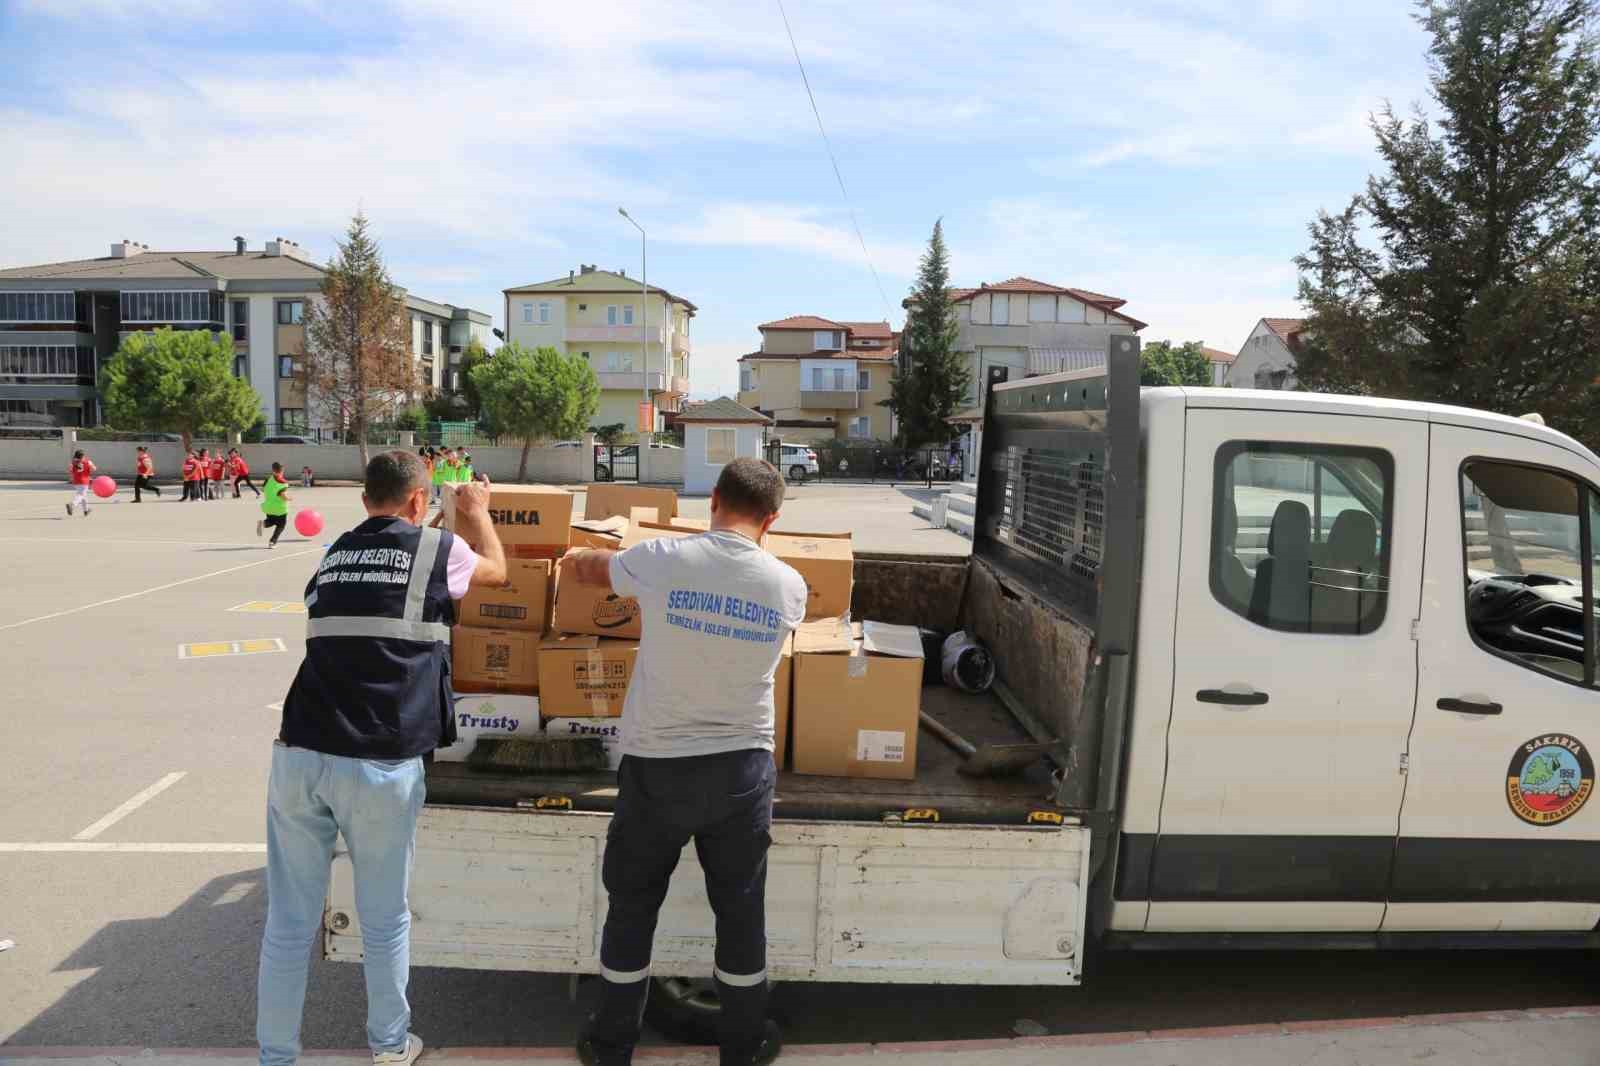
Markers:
point(1300, 535)
point(1527, 534)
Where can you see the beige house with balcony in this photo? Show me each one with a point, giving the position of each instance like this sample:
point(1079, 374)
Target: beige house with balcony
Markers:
point(637, 346)
point(821, 379)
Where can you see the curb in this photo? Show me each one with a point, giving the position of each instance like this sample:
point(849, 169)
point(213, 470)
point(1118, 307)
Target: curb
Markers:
point(952, 1047)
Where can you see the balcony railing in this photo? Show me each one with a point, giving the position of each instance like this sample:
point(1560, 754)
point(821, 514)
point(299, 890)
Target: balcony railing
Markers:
point(655, 380)
point(680, 344)
point(830, 399)
point(614, 334)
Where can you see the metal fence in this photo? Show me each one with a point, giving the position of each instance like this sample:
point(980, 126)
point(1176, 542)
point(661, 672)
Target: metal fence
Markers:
point(868, 462)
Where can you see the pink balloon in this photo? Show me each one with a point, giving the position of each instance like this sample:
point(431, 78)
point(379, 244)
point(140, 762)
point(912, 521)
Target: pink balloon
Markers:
point(308, 523)
point(103, 487)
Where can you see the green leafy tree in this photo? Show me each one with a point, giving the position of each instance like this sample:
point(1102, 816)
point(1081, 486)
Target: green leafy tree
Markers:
point(931, 382)
point(358, 364)
point(177, 380)
point(609, 433)
point(474, 355)
point(537, 394)
point(1162, 363)
point(1480, 284)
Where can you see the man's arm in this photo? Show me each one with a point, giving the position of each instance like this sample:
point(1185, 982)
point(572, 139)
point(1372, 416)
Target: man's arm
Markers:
point(473, 524)
point(591, 566)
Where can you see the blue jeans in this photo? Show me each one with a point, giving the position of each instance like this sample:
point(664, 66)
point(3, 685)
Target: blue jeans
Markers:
point(311, 799)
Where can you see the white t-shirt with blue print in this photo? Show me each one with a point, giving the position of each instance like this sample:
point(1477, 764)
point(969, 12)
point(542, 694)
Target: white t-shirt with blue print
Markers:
point(715, 610)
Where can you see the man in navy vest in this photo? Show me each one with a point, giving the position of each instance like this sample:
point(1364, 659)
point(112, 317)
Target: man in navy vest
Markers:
point(697, 743)
point(371, 698)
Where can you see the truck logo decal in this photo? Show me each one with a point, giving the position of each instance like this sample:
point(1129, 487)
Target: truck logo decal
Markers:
point(1549, 779)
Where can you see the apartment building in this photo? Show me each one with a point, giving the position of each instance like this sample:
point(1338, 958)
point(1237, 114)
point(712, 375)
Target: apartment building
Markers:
point(821, 379)
point(637, 341)
point(1267, 359)
point(1021, 328)
point(61, 322)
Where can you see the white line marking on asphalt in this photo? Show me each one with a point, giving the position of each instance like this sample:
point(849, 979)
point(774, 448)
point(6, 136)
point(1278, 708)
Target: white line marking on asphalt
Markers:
point(139, 800)
point(145, 849)
point(158, 588)
point(112, 540)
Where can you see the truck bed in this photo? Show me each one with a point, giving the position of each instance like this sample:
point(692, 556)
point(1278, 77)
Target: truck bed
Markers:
point(938, 785)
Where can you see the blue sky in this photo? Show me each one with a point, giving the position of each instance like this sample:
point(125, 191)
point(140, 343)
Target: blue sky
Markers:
point(1169, 153)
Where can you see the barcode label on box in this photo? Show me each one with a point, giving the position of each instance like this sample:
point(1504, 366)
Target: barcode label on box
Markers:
point(502, 610)
point(880, 745)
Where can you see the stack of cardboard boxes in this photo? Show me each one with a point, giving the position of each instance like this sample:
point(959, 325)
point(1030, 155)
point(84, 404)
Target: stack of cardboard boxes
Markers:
point(545, 653)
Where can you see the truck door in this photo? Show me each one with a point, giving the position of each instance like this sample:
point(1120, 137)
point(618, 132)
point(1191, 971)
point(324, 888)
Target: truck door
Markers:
point(1294, 670)
point(1496, 830)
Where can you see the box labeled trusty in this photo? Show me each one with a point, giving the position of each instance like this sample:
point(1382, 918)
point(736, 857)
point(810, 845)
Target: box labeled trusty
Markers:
point(609, 730)
point(491, 715)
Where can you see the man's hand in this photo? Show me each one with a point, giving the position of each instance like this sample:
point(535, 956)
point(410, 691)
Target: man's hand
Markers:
point(590, 566)
point(472, 497)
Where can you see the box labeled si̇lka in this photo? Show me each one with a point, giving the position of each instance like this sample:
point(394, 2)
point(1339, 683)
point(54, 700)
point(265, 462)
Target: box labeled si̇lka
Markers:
point(609, 730)
point(584, 676)
point(523, 602)
point(491, 715)
point(532, 521)
point(857, 697)
point(494, 660)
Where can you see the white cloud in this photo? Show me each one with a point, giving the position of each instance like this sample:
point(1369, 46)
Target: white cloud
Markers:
point(824, 233)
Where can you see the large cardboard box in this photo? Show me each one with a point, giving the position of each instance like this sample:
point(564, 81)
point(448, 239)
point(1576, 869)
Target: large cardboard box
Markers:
point(828, 565)
point(598, 532)
point(681, 525)
point(494, 715)
point(608, 499)
point(593, 609)
point(523, 602)
point(494, 660)
point(857, 696)
point(782, 696)
point(584, 676)
point(609, 730)
point(532, 520)
point(639, 532)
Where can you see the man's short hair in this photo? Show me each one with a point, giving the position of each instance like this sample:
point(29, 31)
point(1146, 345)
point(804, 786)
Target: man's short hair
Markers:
point(751, 487)
point(392, 476)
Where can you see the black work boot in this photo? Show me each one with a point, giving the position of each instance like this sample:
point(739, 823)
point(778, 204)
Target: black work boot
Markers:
point(760, 1053)
point(595, 1051)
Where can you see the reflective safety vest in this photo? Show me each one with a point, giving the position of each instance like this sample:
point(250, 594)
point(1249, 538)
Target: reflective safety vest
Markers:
point(375, 683)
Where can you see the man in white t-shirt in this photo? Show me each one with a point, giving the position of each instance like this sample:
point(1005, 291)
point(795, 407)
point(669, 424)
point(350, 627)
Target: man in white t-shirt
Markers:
point(697, 742)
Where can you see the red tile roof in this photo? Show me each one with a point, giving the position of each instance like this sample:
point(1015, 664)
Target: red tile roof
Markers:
point(877, 355)
point(803, 322)
point(872, 331)
point(1100, 300)
point(1217, 355)
point(1285, 327)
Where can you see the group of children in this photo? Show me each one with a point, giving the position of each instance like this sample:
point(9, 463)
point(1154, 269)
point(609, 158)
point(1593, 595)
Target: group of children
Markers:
point(204, 472)
point(446, 466)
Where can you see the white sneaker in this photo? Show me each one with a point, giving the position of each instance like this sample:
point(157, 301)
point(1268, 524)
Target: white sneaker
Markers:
point(413, 1050)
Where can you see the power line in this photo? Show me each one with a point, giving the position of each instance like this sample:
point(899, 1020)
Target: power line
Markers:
point(834, 160)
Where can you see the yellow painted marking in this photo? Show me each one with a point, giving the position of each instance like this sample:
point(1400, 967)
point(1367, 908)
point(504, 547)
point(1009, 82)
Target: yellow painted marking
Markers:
point(197, 651)
point(255, 647)
point(272, 607)
point(214, 648)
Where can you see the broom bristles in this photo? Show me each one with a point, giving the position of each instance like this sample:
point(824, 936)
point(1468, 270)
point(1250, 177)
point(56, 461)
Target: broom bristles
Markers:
point(539, 755)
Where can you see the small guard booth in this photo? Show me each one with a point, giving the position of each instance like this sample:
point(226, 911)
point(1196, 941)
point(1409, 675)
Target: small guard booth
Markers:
point(714, 434)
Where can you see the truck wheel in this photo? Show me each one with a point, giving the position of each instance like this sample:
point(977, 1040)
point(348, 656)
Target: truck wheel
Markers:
point(797, 473)
point(684, 1010)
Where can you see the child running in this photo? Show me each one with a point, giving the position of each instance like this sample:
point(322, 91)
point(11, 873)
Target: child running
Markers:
point(81, 472)
point(240, 471)
point(142, 473)
point(274, 504)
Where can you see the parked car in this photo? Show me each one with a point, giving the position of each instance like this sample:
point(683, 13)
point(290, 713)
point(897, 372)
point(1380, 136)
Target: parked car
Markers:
point(798, 461)
point(287, 438)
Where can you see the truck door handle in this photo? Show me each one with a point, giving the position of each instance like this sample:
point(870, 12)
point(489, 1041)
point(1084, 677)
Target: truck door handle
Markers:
point(1233, 699)
point(1450, 703)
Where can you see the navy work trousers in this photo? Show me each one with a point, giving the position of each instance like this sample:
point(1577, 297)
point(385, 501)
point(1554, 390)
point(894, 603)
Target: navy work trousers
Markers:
point(723, 803)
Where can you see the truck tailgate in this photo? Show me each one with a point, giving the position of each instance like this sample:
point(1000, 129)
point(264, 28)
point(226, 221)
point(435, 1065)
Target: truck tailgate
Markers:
point(846, 901)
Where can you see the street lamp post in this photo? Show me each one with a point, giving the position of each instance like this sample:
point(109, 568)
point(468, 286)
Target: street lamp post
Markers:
point(644, 324)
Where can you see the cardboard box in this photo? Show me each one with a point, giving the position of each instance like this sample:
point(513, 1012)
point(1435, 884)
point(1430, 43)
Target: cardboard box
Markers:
point(523, 602)
point(594, 609)
point(608, 499)
point(494, 660)
point(782, 693)
point(597, 532)
point(828, 565)
point(640, 532)
point(532, 520)
point(857, 696)
point(609, 730)
point(584, 676)
point(681, 525)
point(499, 715)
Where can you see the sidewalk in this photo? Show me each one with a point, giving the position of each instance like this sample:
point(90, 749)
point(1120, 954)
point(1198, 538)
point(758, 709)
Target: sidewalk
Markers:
point(1553, 1037)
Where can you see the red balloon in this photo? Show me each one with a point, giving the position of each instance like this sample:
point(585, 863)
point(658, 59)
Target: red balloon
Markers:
point(308, 523)
point(103, 487)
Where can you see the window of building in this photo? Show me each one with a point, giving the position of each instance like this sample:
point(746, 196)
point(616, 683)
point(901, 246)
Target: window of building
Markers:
point(37, 307)
point(186, 307)
point(720, 446)
point(861, 427)
point(544, 313)
point(241, 367)
point(1000, 309)
point(1316, 559)
point(291, 312)
point(619, 361)
point(627, 314)
point(583, 307)
point(827, 340)
point(747, 378)
point(527, 312)
point(1527, 533)
point(427, 338)
point(455, 381)
point(1041, 308)
point(611, 315)
point(830, 379)
point(286, 366)
point(291, 417)
point(863, 380)
point(58, 362)
point(241, 319)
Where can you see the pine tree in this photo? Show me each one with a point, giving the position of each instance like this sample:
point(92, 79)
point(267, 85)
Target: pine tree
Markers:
point(358, 364)
point(932, 379)
point(1484, 286)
